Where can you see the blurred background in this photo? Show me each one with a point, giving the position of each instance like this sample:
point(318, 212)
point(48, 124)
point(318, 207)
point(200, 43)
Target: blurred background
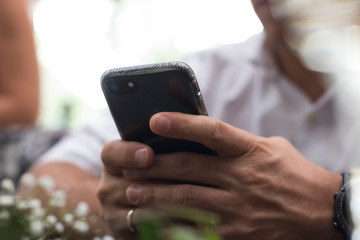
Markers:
point(77, 40)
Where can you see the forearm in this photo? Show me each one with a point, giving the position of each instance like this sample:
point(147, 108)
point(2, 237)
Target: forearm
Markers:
point(81, 187)
point(15, 110)
point(19, 78)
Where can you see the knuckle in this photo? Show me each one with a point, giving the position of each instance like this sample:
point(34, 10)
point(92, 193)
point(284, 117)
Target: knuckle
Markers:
point(186, 195)
point(102, 193)
point(260, 148)
point(182, 164)
point(277, 140)
point(264, 158)
point(216, 129)
point(253, 176)
point(109, 189)
point(107, 151)
point(150, 196)
point(266, 147)
point(269, 152)
point(252, 144)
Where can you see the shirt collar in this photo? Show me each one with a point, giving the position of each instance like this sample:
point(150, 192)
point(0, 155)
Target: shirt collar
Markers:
point(262, 58)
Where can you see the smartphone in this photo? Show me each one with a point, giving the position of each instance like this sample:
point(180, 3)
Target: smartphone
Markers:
point(134, 94)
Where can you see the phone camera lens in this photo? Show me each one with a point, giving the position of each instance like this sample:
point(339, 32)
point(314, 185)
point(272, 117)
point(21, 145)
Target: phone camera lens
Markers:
point(121, 87)
point(113, 87)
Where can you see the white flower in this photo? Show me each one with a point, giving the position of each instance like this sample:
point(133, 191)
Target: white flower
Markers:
point(7, 201)
point(7, 186)
point(82, 209)
point(107, 237)
point(36, 228)
point(81, 226)
point(51, 220)
point(4, 215)
point(28, 180)
point(68, 218)
point(46, 183)
point(59, 227)
point(59, 194)
point(37, 213)
point(22, 205)
point(58, 198)
point(57, 202)
point(34, 203)
point(36, 210)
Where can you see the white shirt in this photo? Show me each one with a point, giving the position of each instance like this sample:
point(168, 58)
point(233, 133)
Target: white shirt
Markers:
point(241, 86)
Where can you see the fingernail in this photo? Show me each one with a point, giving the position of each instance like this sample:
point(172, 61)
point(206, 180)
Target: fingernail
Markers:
point(141, 156)
point(161, 124)
point(132, 194)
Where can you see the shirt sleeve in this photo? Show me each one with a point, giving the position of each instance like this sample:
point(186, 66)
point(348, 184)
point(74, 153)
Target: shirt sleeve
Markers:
point(83, 147)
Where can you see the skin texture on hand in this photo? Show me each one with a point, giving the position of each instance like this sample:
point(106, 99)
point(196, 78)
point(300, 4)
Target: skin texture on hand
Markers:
point(262, 188)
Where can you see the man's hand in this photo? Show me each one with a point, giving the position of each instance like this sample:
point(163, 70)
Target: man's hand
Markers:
point(262, 188)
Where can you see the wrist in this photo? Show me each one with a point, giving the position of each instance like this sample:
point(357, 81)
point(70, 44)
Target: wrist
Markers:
point(345, 206)
point(320, 214)
point(327, 225)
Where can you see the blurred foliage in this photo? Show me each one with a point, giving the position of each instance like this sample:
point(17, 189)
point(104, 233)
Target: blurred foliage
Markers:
point(178, 223)
point(31, 218)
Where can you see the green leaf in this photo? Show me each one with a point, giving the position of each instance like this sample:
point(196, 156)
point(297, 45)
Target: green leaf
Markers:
point(149, 229)
point(183, 233)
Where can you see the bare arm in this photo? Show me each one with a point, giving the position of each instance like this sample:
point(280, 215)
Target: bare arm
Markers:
point(81, 185)
point(19, 80)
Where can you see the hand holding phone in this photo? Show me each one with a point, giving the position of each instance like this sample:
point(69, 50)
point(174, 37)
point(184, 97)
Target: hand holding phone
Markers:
point(136, 93)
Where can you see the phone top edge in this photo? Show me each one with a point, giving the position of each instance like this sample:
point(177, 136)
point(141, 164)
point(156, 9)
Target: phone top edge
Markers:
point(149, 68)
